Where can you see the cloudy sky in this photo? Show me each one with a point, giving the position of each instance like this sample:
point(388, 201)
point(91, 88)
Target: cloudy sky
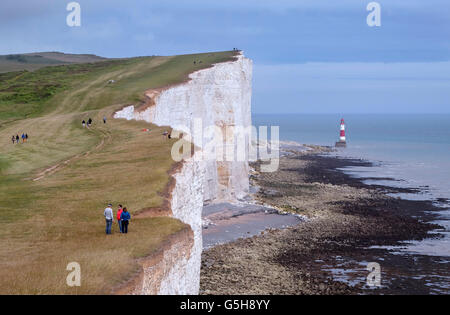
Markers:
point(316, 56)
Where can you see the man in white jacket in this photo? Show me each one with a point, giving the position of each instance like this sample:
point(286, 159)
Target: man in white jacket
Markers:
point(109, 216)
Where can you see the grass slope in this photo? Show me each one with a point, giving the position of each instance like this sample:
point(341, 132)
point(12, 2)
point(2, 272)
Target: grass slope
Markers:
point(59, 219)
point(33, 61)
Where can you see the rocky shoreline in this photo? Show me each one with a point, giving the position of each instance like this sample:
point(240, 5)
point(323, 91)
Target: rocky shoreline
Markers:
point(348, 221)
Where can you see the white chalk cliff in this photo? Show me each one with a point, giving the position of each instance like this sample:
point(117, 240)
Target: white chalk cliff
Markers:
point(218, 96)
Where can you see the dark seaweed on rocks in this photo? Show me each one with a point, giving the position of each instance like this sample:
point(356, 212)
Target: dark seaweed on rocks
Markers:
point(325, 169)
point(329, 253)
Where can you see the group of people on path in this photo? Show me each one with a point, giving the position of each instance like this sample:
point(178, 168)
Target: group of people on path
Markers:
point(87, 124)
point(123, 219)
point(90, 121)
point(16, 139)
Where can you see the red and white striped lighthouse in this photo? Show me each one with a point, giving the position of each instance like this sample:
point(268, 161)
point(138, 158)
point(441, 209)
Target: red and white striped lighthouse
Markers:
point(342, 141)
point(342, 136)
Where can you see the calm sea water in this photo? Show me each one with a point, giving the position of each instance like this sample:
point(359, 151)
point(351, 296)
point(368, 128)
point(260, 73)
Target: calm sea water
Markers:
point(414, 149)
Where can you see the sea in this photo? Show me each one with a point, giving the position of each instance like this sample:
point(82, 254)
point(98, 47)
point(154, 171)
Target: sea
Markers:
point(413, 149)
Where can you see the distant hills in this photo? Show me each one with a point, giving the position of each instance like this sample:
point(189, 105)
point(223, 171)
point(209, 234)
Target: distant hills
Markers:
point(33, 61)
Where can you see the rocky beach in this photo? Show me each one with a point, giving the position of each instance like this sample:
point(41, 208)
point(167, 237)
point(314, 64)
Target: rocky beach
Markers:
point(348, 224)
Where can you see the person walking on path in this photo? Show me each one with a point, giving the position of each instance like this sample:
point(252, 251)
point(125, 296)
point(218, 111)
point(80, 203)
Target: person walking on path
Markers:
point(17, 139)
point(83, 123)
point(109, 218)
point(89, 122)
point(26, 137)
point(119, 220)
point(125, 217)
point(13, 139)
point(23, 138)
point(104, 120)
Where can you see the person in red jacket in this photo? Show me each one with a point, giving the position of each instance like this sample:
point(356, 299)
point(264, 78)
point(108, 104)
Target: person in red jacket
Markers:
point(119, 213)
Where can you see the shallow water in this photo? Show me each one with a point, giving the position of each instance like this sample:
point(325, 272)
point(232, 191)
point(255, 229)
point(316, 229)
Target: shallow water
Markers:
point(414, 150)
point(437, 246)
point(225, 222)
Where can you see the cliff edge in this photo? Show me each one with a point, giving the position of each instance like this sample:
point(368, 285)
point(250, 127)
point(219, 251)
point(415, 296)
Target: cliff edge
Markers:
point(219, 96)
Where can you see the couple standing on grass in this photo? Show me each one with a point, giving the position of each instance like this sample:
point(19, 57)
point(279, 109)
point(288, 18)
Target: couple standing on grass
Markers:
point(123, 218)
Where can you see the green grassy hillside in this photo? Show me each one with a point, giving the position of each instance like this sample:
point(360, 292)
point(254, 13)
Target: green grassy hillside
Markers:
point(33, 61)
point(49, 222)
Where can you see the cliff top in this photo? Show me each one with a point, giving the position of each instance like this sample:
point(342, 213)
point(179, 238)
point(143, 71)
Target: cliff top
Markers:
point(55, 186)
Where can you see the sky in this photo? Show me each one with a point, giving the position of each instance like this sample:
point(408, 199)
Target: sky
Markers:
point(310, 56)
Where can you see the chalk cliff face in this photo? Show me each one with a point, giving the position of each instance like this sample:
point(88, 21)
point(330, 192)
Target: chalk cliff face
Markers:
point(218, 96)
point(187, 206)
